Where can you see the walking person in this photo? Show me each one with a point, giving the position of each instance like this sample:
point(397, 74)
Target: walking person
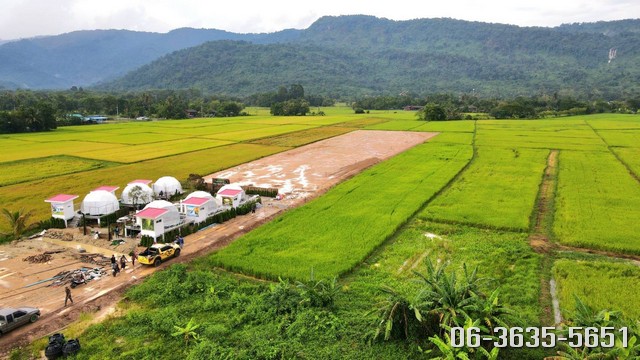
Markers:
point(123, 262)
point(67, 295)
point(133, 259)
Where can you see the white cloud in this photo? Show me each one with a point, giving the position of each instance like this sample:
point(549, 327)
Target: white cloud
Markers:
point(25, 18)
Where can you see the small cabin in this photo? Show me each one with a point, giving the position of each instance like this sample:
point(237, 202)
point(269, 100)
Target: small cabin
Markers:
point(62, 207)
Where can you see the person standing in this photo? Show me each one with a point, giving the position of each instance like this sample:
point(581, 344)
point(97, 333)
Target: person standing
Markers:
point(133, 258)
point(67, 295)
point(116, 231)
point(123, 262)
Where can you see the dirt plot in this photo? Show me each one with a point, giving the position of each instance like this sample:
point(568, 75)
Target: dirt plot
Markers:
point(300, 174)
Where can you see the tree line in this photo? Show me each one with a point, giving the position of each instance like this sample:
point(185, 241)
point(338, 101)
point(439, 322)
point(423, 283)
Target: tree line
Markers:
point(28, 111)
point(469, 106)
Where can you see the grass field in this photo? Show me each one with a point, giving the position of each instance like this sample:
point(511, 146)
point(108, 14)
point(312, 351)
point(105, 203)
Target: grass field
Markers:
point(498, 190)
point(373, 230)
point(15, 172)
point(303, 137)
point(596, 200)
point(600, 284)
point(332, 234)
point(630, 157)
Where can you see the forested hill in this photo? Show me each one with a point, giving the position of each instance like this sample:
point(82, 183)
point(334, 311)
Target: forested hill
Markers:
point(341, 56)
point(83, 58)
point(360, 55)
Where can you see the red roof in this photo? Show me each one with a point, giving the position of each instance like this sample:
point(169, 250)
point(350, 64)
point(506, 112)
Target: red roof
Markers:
point(62, 198)
point(151, 213)
point(107, 188)
point(140, 181)
point(229, 192)
point(197, 201)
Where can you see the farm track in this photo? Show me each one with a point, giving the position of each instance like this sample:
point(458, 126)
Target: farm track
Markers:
point(542, 219)
point(540, 236)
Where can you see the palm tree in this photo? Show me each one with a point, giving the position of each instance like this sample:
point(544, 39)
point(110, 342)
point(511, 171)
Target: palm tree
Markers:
point(396, 315)
point(17, 221)
point(187, 332)
point(446, 297)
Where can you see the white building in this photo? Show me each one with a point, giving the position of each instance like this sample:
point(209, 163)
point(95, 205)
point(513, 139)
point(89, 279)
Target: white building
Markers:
point(231, 195)
point(62, 207)
point(199, 205)
point(158, 217)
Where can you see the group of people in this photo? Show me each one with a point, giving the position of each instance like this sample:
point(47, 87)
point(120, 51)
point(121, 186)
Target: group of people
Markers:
point(179, 240)
point(123, 262)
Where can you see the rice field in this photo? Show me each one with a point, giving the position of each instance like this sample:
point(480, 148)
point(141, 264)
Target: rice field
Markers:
point(15, 172)
point(596, 203)
point(600, 284)
point(334, 233)
point(498, 190)
point(303, 137)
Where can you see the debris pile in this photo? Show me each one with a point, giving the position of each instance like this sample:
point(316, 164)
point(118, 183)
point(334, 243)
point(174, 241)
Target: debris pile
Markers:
point(97, 259)
point(81, 275)
point(58, 234)
point(41, 258)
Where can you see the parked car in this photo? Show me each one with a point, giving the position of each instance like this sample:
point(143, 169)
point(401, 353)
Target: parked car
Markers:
point(11, 318)
point(157, 253)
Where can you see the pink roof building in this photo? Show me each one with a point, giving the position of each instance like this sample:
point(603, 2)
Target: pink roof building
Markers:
point(61, 198)
point(196, 201)
point(151, 213)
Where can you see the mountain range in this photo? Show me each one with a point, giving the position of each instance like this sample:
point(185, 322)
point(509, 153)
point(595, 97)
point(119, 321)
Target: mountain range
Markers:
point(340, 56)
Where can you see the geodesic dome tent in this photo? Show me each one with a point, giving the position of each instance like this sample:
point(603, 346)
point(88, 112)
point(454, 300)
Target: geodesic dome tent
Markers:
point(172, 215)
point(167, 186)
point(99, 203)
point(137, 194)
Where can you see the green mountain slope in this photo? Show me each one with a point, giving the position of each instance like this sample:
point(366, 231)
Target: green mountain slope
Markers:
point(362, 55)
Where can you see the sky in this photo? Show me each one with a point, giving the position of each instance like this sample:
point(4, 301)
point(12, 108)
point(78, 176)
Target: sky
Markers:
point(28, 18)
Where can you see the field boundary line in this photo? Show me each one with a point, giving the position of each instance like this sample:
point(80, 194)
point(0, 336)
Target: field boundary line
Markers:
point(609, 147)
point(414, 215)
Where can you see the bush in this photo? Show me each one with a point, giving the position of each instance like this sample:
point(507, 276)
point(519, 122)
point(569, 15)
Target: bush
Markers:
point(146, 241)
point(52, 223)
point(359, 110)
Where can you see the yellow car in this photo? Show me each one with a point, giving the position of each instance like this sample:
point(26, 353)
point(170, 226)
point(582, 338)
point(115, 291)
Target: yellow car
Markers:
point(157, 253)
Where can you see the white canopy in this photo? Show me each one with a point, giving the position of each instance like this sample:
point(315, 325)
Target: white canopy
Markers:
point(168, 185)
point(99, 203)
point(137, 194)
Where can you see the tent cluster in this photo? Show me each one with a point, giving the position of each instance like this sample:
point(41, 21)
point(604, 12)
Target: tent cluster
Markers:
point(157, 215)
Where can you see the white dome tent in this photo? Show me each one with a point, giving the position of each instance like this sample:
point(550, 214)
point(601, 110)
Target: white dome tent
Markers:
point(166, 187)
point(137, 194)
point(99, 203)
